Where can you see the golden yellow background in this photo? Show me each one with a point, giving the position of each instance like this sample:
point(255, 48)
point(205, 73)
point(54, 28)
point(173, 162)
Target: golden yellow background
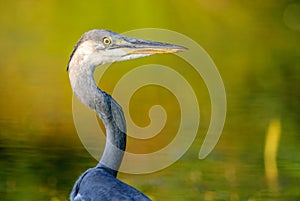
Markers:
point(255, 45)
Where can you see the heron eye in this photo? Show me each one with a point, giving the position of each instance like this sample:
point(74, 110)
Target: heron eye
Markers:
point(106, 41)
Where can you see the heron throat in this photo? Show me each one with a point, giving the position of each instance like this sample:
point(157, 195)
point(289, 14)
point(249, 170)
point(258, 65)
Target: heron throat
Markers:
point(109, 111)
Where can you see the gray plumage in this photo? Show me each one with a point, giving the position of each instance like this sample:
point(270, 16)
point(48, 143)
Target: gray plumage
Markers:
point(95, 48)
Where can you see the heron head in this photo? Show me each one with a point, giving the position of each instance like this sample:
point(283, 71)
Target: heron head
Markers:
point(101, 46)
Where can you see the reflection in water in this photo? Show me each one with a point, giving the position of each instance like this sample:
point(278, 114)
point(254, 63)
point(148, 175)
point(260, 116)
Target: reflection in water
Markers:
point(271, 148)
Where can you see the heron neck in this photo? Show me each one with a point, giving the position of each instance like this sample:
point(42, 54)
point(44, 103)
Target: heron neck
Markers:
point(109, 111)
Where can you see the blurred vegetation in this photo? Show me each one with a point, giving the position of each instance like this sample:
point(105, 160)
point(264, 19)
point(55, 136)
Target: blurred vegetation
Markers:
point(255, 45)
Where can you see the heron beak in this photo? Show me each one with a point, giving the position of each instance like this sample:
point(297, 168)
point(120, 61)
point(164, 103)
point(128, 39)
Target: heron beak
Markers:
point(137, 46)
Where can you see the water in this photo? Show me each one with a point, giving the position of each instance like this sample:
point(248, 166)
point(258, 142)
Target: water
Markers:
point(257, 55)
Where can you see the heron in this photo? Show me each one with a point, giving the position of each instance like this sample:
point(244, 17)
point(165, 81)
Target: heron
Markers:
point(95, 48)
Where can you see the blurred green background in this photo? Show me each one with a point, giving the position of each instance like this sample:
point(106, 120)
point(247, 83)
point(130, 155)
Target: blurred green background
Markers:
point(255, 45)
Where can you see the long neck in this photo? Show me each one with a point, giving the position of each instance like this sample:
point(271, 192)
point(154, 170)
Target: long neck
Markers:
point(111, 114)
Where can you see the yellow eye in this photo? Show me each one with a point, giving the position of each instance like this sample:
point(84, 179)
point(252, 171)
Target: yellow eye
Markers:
point(106, 41)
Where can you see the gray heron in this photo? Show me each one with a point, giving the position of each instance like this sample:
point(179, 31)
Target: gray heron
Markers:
point(97, 47)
